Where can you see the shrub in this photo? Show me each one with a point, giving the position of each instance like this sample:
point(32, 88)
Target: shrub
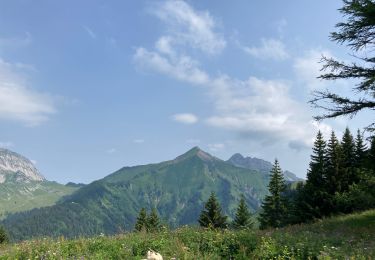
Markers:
point(3, 236)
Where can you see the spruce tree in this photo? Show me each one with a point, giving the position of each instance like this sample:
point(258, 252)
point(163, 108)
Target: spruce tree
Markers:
point(349, 175)
point(242, 219)
point(332, 177)
point(211, 216)
point(316, 173)
point(153, 222)
point(360, 151)
point(371, 156)
point(274, 207)
point(317, 201)
point(141, 223)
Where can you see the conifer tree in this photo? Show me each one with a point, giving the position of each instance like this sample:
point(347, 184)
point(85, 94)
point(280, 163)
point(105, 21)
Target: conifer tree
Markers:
point(360, 150)
point(274, 206)
point(333, 165)
point(348, 160)
point(153, 222)
point(317, 202)
point(141, 223)
point(242, 219)
point(211, 216)
point(371, 155)
point(316, 173)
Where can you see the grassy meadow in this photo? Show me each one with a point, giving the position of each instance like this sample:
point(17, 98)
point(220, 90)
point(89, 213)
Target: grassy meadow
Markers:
point(343, 237)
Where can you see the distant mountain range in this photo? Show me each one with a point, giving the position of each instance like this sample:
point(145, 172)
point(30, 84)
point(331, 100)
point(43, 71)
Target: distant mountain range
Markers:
point(22, 187)
point(176, 188)
point(259, 165)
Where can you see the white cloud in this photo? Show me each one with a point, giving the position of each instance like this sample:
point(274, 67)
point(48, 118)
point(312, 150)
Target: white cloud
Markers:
point(187, 26)
point(138, 141)
point(33, 162)
point(185, 118)
point(16, 42)
point(6, 144)
point(182, 68)
point(89, 31)
point(258, 109)
point(193, 141)
point(216, 147)
point(111, 150)
point(18, 102)
point(270, 49)
point(281, 25)
point(308, 67)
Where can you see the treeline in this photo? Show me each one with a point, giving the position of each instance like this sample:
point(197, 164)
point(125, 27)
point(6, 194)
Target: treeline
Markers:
point(211, 217)
point(340, 179)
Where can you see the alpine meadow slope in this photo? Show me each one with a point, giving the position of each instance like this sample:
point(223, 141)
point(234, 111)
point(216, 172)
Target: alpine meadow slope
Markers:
point(176, 188)
point(22, 187)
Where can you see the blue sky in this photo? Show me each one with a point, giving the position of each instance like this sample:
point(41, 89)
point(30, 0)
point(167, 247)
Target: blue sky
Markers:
point(87, 87)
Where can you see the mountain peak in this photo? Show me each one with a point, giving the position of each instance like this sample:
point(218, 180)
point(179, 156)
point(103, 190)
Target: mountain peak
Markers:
point(237, 156)
point(196, 151)
point(258, 165)
point(17, 166)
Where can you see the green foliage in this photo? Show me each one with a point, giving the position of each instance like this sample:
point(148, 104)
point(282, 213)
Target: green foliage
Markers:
point(357, 32)
point(20, 196)
point(348, 161)
point(360, 151)
point(274, 207)
point(3, 236)
point(344, 237)
point(360, 196)
point(370, 162)
point(141, 223)
point(242, 219)
point(334, 161)
point(340, 180)
point(153, 221)
point(211, 216)
point(111, 205)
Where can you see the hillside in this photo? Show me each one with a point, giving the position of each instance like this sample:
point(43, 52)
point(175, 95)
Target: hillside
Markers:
point(16, 197)
point(344, 237)
point(22, 187)
point(260, 165)
point(176, 188)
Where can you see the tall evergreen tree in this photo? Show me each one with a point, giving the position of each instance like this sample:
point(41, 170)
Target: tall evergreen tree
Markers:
point(360, 150)
point(332, 175)
point(371, 155)
point(153, 221)
point(274, 206)
point(349, 175)
point(141, 223)
point(242, 219)
point(317, 202)
point(211, 216)
point(316, 173)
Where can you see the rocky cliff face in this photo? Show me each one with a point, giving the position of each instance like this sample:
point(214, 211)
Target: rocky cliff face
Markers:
point(18, 168)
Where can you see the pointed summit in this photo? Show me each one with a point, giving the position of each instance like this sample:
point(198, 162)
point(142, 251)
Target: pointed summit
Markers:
point(196, 151)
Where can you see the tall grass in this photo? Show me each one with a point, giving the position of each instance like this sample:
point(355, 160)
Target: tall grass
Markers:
point(344, 237)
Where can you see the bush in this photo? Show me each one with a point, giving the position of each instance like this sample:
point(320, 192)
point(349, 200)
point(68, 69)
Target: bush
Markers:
point(3, 236)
